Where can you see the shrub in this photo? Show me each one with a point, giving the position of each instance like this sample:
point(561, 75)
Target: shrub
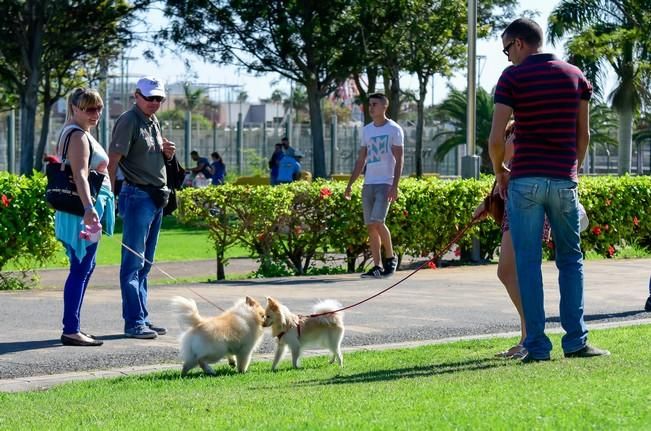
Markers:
point(289, 227)
point(26, 225)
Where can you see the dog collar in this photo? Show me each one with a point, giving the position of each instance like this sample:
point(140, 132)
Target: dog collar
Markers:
point(298, 330)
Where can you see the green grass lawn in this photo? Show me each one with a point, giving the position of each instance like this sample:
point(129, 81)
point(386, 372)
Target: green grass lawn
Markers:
point(175, 243)
point(450, 386)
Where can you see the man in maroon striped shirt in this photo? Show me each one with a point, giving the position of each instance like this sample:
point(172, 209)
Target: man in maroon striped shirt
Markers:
point(549, 100)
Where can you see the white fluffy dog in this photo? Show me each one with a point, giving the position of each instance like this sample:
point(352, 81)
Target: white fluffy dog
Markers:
point(299, 332)
point(236, 333)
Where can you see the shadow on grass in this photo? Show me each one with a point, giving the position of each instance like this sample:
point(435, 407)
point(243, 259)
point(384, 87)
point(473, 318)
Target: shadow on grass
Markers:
point(410, 372)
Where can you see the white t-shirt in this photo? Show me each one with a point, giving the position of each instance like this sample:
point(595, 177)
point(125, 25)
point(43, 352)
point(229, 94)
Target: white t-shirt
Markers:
point(378, 140)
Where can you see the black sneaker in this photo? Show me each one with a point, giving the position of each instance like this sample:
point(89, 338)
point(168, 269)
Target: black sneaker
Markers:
point(375, 272)
point(158, 329)
point(647, 306)
point(390, 265)
point(528, 359)
point(587, 352)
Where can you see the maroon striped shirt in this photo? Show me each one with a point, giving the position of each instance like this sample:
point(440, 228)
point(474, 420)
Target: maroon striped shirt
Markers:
point(544, 93)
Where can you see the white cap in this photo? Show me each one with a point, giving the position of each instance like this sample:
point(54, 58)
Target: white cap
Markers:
point(150, 86)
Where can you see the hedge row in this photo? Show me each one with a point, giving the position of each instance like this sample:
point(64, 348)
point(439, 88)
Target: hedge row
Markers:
point(293, 225)
point(290, 227)
point(26, 225)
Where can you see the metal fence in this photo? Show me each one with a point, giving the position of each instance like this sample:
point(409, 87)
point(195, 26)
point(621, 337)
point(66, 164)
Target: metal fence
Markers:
point(246, 150)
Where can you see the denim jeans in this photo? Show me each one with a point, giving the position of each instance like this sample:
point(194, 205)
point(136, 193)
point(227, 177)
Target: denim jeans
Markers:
point(75, 287)
point(141, 221)
point(529, 199)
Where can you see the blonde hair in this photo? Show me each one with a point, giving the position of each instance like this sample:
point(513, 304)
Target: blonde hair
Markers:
point(83, 98)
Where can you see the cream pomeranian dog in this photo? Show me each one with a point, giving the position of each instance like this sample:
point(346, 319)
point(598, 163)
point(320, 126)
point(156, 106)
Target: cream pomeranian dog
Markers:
point(236, 333)
point(300, 332)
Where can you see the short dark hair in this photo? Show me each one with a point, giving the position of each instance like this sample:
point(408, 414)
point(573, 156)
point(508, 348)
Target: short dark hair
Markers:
point(285, 138)
point(525, 29)
point(215, 155)
point(194, 153)
point(379, 96)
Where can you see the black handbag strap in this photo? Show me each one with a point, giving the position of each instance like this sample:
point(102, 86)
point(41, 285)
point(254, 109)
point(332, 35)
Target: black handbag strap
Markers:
point(66, 143)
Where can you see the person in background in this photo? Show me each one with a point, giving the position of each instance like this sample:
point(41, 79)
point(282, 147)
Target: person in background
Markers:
point(218, 169)
point(140, 150)
point(647, 306)
point(83, 153)
point(381, 153)
point(202, 167)
point(289, 168)
point(290, 151)
point(274, 162)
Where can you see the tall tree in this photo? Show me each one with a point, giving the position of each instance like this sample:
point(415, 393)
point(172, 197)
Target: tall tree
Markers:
point(307, 41)
point(615, 34)
point(60, 29)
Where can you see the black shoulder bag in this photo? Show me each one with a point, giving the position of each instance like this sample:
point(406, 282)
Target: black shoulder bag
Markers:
point(61, 191)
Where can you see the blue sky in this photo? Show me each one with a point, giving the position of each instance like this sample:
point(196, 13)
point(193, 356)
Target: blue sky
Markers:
point(171, 67)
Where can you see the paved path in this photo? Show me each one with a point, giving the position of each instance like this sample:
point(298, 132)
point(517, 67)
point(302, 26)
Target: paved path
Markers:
point(432, 305)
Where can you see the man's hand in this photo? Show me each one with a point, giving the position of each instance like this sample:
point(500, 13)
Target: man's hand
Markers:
point(169, 148)
point(347, 193)
point(392, 193)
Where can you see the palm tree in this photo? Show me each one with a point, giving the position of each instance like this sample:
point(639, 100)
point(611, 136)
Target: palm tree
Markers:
point(609, 33)
point(603, 131)
point(452, 112)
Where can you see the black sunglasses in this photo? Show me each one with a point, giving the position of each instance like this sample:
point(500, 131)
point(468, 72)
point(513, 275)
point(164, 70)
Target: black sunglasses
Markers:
point(152, 98)
point(92, 111)
point(507, 47)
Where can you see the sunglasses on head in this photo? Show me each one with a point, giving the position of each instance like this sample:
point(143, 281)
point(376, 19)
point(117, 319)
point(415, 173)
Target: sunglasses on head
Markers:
point(152, 98)
point(93, 110)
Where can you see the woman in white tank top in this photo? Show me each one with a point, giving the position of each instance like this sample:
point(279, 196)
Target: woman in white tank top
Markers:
point(84, 110)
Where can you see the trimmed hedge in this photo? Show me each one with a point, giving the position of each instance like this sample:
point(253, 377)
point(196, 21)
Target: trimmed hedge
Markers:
point(26, 225)
point(293, 225)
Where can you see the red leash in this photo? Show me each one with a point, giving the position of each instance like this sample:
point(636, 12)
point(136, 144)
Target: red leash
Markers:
point(433, 259)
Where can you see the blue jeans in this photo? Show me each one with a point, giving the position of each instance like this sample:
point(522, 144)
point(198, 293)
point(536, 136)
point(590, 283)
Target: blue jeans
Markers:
point(75, 287)
point(529, 199)
point(141, 221)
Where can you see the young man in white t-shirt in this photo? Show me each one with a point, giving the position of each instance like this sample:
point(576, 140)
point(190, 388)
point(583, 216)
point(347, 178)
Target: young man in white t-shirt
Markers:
point(382, 153)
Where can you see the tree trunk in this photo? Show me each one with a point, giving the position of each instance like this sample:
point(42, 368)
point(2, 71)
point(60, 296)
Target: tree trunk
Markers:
point(394, 94)
point(371, 75)
point(221, 273)
point(45, 130)
point(625, 139)
point(422, 92)
point(29, 96)
point(316, 127)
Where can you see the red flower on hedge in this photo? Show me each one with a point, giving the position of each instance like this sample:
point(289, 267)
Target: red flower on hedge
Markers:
point(325, 192)
point(431, 264)
point(636, 222)
point(596, 230)
point(608, 202)
point(5, 200)
point(611, 250)
point(405, 213)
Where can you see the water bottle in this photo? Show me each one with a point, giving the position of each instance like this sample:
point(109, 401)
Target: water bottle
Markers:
point(92, 232)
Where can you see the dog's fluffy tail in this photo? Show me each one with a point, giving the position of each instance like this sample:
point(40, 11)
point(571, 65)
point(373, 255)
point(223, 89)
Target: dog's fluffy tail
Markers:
point(326, 306)
point(186, 311)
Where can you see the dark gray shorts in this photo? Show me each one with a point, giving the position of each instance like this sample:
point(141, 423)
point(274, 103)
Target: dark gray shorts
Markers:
point(375, 202)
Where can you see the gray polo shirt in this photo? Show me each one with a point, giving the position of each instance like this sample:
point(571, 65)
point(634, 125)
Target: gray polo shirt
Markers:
point(139, 140)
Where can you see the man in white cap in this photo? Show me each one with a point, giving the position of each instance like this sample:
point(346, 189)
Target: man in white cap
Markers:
point(139, 149)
